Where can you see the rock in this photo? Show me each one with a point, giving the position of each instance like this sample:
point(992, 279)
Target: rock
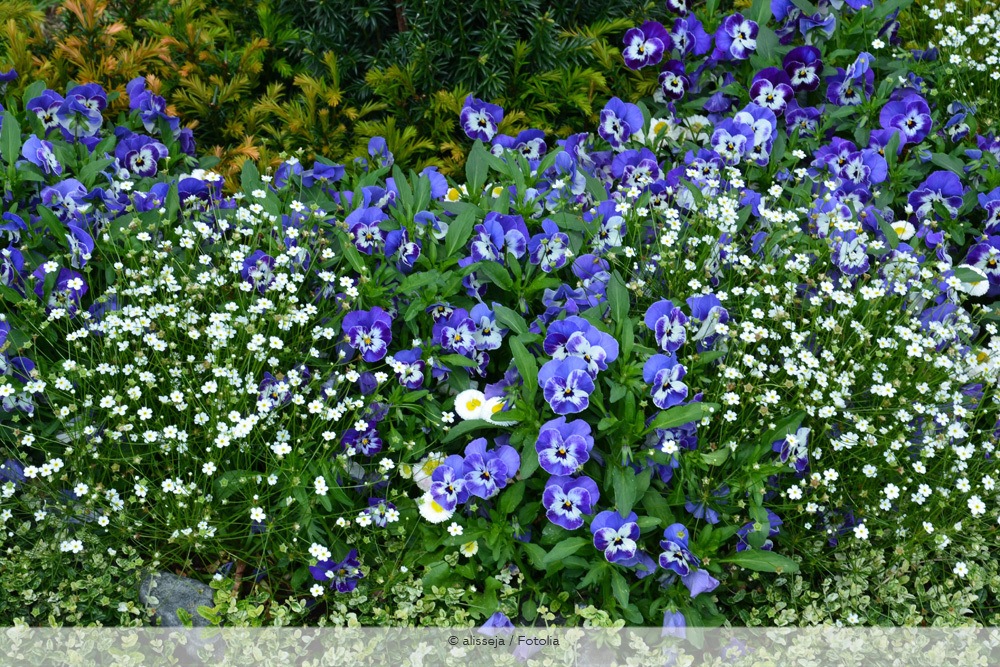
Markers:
point(166, 593)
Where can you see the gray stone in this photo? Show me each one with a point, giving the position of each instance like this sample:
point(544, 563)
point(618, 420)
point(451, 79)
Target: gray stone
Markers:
point(166, 593)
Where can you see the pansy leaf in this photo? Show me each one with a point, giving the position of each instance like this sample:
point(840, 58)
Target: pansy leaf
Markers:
point(10, 137)
point(510, 319)
point(459, 231)
point(527, 367)
point(250, 177)
point(759, 560)
point(466, 426)
point(619, 297)
point(477, 167)
point(90, 171)
point(497, 274)
point(619, 587)
point(680, 415)
point(949, 162)
point(511, 498)
point(565, 548)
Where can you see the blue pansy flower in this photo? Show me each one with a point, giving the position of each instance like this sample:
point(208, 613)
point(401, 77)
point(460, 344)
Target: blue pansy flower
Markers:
point(664, 374)
point(479, 119)
point(566, 384)
point(567, 500)
point(563, 447)
point(616, 535)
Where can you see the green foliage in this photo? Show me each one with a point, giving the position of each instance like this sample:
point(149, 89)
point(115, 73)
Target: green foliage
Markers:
point(312, 78)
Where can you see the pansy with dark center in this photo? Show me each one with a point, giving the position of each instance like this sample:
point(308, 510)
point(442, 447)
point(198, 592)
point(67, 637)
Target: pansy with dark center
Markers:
point(563, 447)
point(566, 384)
point(363, 224)
point(258, 270)
point(480, 120)
point(567, 499)
point(368, 331)
point(549, 250)
point(772, 89)
point(619, 121)
point(735, 39)
point(664, 374)
point(615, 535)
point(645, 45)
point(667, 322)
point(803, 65)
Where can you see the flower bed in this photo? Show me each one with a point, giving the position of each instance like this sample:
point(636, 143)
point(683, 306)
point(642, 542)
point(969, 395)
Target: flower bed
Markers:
point(628, 370)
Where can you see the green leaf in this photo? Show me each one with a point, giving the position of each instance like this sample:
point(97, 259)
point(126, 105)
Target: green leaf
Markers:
point(762, 561)
point(680, 415)
point(497, 273)
point(619, 298)
point(717, 457)
point(457, 360)
point(512, 497)
point(89, 173)
point(567, 547)
point(967, 275)
point(620, 588)
point(946, 161)
point(466, 426)
point(527, 367)
point(459, 231)
point(510, 319)
point(623, 481)
point(250, 178)
point(10, 138)
point(477, 167)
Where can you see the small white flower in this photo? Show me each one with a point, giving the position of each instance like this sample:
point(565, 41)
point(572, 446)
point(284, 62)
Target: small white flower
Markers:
point(861, 532)
point(961, 569)
point(257, 514)
point(455, 530)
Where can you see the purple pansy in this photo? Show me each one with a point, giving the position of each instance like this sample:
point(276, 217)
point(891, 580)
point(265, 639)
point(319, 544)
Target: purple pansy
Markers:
point(616, 535)
point(708, 310)
point(46, 106)
point(619, 121)
point(771, 89)
point(910, 114)
point(735, 38)
point(139, 155)
point(803, 65)
point(941, 187)
point(567, 500)
point(41, 154)
point(448, 487)
point(343, 576)
point(487, 471)
point(676, 555)
point(674, 82)
point(563, 447)
point(363, 224)
point(369, 331)
point(566, 384)
point(689, 36)
point(667, 322)
point(479, 119)
point(846, 91)
point(664, 374)
point(550, 249)
point(456, 333)
point(258, 270)
point(646, 45)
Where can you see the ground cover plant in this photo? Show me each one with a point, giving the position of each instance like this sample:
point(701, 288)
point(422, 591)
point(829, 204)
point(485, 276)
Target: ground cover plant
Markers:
point(735, 346)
